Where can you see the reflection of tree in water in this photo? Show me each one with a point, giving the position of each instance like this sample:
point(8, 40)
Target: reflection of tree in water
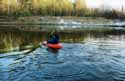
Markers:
point(21, 38)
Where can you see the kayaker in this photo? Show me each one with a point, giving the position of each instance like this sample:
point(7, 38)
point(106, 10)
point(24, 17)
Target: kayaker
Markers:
point(54, 40)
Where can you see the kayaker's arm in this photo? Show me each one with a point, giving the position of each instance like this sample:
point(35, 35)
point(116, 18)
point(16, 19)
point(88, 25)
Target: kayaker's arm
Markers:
point(44, 43)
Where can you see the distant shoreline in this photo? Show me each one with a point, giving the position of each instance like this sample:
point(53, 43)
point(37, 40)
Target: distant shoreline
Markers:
point(61, 21)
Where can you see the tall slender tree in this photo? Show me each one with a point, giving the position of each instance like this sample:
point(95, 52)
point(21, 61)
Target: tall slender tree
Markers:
point(80, 7)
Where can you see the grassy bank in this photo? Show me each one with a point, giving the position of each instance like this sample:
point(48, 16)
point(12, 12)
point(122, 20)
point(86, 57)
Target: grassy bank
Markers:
point(52, 20)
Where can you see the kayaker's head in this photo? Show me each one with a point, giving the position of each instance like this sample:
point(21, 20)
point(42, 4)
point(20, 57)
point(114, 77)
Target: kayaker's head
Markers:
point(55, 33)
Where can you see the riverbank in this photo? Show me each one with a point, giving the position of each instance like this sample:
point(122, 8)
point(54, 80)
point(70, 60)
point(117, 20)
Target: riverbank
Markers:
point(62, 21)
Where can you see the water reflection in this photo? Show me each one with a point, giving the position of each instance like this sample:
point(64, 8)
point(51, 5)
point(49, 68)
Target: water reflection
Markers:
point(15, 38)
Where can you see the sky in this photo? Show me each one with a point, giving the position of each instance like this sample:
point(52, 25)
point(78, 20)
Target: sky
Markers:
point(109, 4)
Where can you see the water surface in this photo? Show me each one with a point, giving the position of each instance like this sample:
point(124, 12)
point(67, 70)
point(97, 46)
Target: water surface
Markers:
point(90, 55)
point(98, 60)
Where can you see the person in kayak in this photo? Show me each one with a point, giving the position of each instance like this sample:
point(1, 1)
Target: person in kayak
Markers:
point(54, 40)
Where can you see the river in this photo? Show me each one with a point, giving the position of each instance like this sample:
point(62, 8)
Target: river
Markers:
point(99, 57)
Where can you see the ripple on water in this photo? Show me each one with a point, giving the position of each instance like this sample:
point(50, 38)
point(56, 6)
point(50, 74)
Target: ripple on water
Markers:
point(98, 61)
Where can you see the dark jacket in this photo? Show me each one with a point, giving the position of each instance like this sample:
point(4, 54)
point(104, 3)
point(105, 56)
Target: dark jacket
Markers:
point(54, 40)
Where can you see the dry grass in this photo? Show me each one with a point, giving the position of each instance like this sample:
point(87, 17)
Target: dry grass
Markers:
point(42, 7)
point(54, 8)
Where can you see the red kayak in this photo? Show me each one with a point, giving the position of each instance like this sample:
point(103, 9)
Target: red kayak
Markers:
point(55, 46)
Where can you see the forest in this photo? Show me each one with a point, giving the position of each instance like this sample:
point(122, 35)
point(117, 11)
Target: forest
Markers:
point(54, 8)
